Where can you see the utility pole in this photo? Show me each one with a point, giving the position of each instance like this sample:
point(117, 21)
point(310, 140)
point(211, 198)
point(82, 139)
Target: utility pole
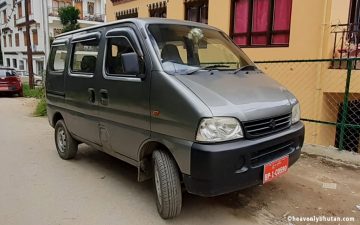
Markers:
point(29, 49)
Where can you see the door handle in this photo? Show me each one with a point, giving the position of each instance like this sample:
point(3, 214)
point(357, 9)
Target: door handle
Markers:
point(91, 92)
point(104, 97)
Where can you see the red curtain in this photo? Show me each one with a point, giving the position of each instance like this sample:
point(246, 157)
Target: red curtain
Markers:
point(241, 21)
point(282, 19)
point(261, 15)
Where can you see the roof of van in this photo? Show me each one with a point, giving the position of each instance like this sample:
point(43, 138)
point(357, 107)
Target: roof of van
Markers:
point(140, 22)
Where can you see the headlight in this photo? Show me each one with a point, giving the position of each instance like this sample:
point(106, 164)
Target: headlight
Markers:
point(295, 115)
point(219, 129)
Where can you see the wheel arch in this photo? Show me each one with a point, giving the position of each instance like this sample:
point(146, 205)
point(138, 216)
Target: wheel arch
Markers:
point(56, 117)
point(145, 158)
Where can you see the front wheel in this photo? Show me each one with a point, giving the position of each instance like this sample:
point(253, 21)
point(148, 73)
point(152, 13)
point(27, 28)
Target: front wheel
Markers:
point(66, 145)
point(167, 185)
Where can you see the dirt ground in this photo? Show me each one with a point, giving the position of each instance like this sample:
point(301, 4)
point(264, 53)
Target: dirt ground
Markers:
point(37, 187)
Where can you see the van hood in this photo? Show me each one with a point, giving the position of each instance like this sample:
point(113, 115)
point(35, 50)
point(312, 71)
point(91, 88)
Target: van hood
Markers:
point(247, 96)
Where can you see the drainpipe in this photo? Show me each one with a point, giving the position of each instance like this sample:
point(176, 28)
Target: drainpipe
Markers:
point(322, 52)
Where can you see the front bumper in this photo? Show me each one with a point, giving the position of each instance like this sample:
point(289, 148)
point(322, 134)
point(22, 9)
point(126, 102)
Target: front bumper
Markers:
point(222, 168)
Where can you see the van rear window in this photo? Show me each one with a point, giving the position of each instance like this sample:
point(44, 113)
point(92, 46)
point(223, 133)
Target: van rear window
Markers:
point(84, 57)
point(57, 58)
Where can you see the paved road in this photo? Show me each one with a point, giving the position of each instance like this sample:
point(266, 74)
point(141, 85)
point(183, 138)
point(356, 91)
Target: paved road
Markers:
point(38, 188)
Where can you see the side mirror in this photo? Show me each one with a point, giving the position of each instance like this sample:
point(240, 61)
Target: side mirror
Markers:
point(131, 64)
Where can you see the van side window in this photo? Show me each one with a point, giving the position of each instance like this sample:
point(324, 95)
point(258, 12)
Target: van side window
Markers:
point(57, 58)
point(84, 57)
point(115, 48)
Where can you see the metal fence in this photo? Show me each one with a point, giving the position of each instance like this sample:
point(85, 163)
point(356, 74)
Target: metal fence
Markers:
point(329, 96)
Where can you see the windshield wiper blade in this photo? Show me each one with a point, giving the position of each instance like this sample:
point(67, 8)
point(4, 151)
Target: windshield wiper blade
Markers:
point(245, 68)
point(206, 68)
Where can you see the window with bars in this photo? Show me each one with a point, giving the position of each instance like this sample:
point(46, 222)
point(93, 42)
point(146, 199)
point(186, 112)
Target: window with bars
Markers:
point(261, 22)
point(158, 12)
point(197, 11)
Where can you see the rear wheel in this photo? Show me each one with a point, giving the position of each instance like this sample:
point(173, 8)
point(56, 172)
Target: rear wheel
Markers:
point(66, 145)
point(167, 185)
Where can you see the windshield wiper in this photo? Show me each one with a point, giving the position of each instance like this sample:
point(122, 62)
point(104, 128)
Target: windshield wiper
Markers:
point(245, 68)
point(206, 68)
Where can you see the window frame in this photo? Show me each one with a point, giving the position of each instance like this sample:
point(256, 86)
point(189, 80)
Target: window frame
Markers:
point(126, 77)
point(95, 36)
point(198, 4)
point(159, 10)
point(52, 60)
point(249, 33)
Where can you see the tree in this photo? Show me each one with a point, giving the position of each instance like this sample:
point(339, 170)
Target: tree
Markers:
point(68, 17)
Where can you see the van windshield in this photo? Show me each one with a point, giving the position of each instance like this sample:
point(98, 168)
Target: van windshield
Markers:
point(187, 49)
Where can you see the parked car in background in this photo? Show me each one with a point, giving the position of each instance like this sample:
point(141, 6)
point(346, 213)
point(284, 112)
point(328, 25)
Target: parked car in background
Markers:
point(38, 80)
point(10, 82)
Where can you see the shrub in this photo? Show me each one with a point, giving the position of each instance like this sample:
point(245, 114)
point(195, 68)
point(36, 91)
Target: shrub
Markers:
point(33, 93)
point(40, 108)
point(38, 93)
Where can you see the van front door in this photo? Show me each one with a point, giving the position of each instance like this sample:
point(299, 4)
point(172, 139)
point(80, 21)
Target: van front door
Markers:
point(124, 98)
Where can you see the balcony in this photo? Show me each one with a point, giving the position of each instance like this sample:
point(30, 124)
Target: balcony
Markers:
point(95, 17)
point(346, 40)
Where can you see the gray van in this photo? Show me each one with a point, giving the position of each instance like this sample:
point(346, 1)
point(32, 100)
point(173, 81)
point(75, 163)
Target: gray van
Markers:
point(176, 99)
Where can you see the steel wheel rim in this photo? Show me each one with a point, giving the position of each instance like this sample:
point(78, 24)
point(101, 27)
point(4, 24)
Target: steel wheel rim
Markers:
point(157, 185)
point(61, 140)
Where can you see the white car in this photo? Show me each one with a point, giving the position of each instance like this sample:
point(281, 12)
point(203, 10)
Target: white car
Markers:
point(24, 75)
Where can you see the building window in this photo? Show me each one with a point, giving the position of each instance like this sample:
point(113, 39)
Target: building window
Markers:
point(35, 37)
point(130, 13)
point(15, 63)
point(158, 9)
point(4, 41)
point(17, 41)
point(261, 22)
point(29, 6)
point(197, 11)
point(10, 40)
point(5, 19)
point(21, 65)
point(25, 39)
point(8, 62)
point(91, 8)
point(19, 10)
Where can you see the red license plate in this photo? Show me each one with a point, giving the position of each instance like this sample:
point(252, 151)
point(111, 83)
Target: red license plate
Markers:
point(275, 169)
point(4, 88)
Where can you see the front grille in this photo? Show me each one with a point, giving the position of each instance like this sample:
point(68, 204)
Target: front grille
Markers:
point(257, 128)
point(264, 156)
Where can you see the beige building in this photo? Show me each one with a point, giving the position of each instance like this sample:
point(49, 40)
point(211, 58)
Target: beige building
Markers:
point(280, 30)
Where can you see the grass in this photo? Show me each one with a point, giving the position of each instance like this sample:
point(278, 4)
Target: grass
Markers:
point(33, 93)
point(40, 109)
point(37, 93)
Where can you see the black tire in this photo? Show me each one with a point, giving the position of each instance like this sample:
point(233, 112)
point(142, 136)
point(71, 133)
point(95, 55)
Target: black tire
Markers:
point(167, 185)
point(66, 145)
